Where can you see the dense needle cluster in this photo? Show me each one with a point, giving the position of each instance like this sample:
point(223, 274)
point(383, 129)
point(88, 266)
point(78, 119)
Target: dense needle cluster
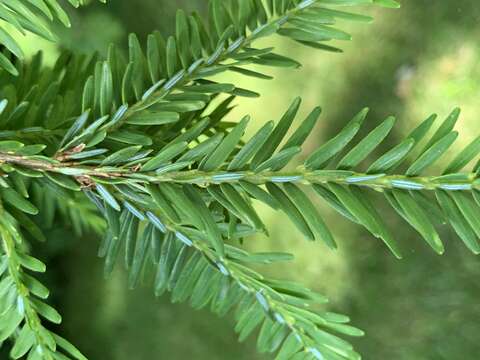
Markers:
point(142, 143)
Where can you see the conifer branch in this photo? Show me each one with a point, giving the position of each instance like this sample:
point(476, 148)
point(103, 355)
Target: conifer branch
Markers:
point(282, 309)
point(228, 48)
point(380, 181)
point(21, 304)
point(131, 186)
point(176, 182)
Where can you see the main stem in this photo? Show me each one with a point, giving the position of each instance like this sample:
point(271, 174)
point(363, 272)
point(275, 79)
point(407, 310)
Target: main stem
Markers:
point(466, 181)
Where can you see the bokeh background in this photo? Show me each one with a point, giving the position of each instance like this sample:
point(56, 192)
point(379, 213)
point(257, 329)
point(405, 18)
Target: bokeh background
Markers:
point(422, 58)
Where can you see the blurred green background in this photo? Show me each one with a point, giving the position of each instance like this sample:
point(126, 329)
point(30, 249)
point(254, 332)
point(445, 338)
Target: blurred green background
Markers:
point(410, 62)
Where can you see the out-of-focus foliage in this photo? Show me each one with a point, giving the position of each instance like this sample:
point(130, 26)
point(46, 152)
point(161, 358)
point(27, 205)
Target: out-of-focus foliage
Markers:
point(19, 18)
